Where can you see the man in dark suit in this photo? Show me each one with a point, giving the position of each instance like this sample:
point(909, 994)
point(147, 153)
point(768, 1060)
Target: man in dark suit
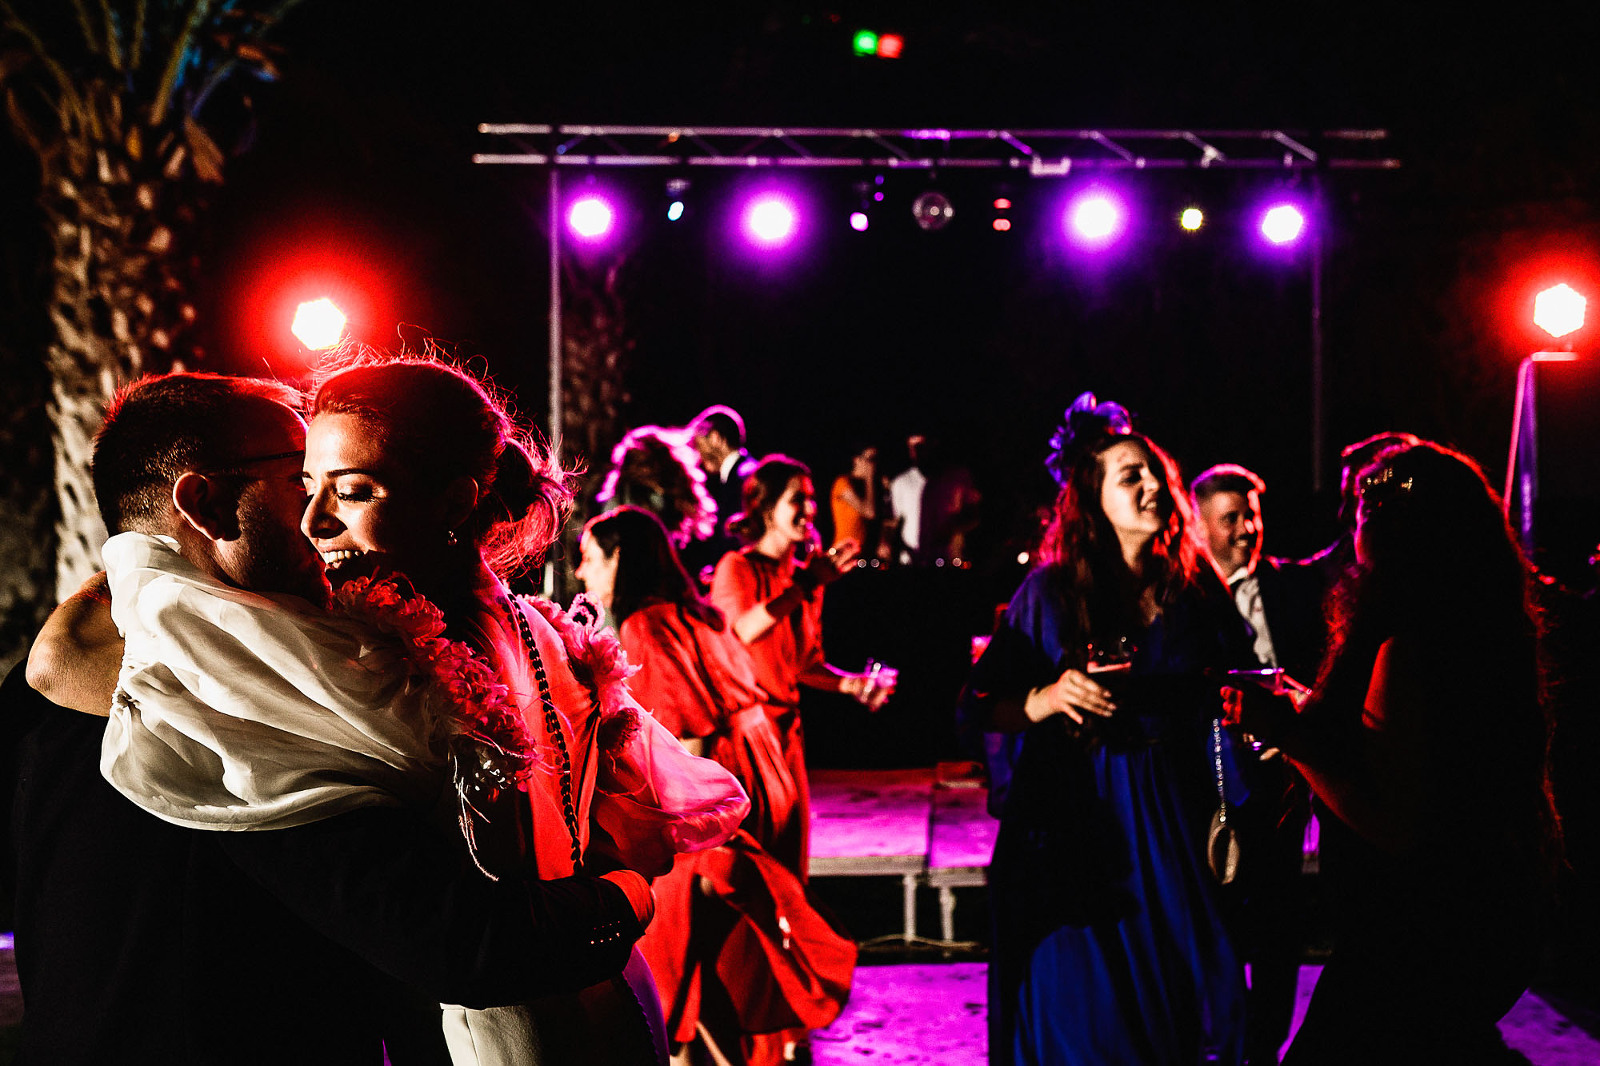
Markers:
point(718, 437)
point(1282, 602)
point(140, 941)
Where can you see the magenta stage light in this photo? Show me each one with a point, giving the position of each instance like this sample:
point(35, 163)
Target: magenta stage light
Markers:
point(859, 221)
point(1282, 224)
point(770, 220)
point(590, 218)
point(1095, 219)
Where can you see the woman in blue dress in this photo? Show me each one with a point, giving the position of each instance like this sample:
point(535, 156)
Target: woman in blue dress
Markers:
point(1105, 768)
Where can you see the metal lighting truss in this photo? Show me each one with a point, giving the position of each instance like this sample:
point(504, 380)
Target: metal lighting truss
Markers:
point(1037, 152)
point(1040, 153)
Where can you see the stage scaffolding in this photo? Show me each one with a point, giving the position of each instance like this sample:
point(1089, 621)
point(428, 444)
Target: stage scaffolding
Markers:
point(1035, 153)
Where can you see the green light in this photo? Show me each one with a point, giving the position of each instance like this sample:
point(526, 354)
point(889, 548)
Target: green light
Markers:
point(866, 43)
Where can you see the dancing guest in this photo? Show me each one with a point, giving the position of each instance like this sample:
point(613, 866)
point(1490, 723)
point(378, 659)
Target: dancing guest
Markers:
point(773, 601)
point(622, 790)
point(654, 468)
point(1109, 945)
point(857, 502)
point(700, 683)
point(1427, 740)
point(538, 726)
point(122, 910)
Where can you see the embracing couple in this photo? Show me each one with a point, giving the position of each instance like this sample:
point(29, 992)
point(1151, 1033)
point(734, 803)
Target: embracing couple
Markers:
point(417, 786)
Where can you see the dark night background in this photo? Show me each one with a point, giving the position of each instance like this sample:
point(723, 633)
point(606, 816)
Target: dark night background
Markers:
point(359, 183)
point(360, 176)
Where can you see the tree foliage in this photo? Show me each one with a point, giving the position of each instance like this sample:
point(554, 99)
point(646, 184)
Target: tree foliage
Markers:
point(118, 103)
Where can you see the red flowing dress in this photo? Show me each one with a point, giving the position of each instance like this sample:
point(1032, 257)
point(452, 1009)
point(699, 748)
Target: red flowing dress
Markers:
point(743, 580)
point(757, 960)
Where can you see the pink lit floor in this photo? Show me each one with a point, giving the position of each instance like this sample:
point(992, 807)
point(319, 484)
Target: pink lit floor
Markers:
point(924, 825)
point(936, 1014)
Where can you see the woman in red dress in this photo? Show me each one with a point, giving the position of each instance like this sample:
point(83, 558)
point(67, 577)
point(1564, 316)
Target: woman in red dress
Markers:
point(773, 602)
point(738, 953)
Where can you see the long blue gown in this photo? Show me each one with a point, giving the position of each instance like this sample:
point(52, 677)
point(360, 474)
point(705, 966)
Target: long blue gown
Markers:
point(1109, 946)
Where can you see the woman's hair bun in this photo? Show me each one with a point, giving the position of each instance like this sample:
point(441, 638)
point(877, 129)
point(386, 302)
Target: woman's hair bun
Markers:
point(1086, 420)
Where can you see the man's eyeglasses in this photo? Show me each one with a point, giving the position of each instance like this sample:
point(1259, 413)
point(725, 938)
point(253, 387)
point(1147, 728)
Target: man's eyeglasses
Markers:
point(233, 469)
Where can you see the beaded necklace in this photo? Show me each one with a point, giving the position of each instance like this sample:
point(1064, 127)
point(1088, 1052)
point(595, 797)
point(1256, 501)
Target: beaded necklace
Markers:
point(552, 725)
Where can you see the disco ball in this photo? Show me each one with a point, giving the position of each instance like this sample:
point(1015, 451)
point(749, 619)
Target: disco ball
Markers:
point(932, 211)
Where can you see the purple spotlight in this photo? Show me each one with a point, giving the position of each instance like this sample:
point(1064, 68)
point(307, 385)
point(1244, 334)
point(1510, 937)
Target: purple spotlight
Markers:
point(590, 218)
point(1095, 219)
point(770, 220)
point(1283, 224)
point(859, 221)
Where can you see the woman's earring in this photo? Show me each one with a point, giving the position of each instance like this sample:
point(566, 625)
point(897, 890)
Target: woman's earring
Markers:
point(450, 538)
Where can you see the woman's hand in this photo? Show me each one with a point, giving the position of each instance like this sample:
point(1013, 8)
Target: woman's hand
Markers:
point(1073, 694)
point(872, 691)
point(824, 568)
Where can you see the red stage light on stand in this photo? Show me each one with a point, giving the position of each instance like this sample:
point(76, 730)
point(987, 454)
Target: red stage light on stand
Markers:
point(1559, 310)
point(318, 324)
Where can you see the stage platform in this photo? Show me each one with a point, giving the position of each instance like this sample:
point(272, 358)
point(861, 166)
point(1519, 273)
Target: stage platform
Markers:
point(925, 826)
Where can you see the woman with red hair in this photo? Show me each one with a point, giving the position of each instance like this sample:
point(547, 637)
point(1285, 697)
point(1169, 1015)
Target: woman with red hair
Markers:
point(1427, 743)
point(1105, 764)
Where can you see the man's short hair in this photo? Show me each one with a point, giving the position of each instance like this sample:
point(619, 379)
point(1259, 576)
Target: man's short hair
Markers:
point(721, 419)
point(1226, 477)
point(159, 428)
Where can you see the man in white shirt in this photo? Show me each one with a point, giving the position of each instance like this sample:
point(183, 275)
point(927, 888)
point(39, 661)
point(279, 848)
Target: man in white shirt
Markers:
point(905, 500)
point(1227, 503)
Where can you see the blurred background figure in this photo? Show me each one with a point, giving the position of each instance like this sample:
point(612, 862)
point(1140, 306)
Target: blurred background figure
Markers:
point(1337, 557)
point(859, 501)
point(654, 468)
point(905, 500)
point(950, 501)
point(718, 436)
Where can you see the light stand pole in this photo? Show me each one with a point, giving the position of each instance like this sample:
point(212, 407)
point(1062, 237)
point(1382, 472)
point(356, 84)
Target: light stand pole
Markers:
point(1319, 430)
point(557, 414)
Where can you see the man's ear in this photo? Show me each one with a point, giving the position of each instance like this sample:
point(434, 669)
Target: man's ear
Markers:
point(200, 505)
point(460, 500)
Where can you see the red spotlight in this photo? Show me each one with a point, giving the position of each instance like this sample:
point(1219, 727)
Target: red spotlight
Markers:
point(1559, 310)
point(318, 324)
point(890, 45)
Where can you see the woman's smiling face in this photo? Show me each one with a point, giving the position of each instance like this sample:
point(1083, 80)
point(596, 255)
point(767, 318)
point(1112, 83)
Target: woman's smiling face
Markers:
point(1132, 492)
point(363, 503)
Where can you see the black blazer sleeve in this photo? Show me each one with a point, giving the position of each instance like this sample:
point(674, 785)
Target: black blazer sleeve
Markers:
point(387, 884)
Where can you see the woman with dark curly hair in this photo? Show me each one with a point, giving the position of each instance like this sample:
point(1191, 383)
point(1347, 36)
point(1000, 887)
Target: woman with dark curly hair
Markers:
point(655, 468)
point(1427, 740)
point(1104, 765)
